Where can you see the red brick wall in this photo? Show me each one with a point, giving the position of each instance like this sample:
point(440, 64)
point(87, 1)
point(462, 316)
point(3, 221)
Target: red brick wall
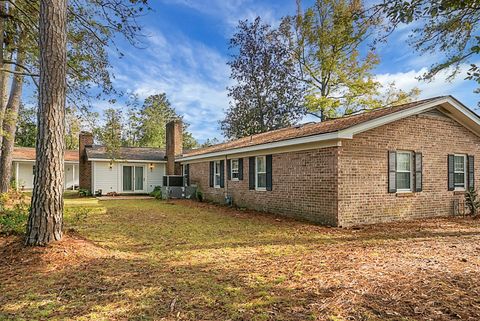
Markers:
point(85, 167)
point(304, 186)
point(174, 146)
point(363, 166)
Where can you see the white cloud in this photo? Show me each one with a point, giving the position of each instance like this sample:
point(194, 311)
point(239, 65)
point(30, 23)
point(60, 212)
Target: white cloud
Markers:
point(439, 86)
point(193, 76)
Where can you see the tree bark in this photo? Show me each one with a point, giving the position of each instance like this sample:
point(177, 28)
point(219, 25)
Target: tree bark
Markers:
point(3, 74)
point(45, 222)
point(10, 126)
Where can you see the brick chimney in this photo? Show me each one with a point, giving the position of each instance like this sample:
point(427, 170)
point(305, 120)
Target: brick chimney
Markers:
point(174, 145)
point(85, 167)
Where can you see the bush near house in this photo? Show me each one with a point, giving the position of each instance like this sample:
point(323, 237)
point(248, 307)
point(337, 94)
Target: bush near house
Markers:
point(13, 212)
point(157, 192)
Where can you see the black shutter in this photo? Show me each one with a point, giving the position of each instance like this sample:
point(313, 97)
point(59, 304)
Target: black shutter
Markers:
point(451, 185)
point(471, 171)
point(240, 169)
point(229, 169)
point(269, 172)
point(211, 173)
point(251, 172)
point(418, 172)
point(187, 174)
point(392, 172)
point(222, 173)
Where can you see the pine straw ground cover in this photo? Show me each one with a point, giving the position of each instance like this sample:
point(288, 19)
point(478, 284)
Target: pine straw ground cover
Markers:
point(156, 260)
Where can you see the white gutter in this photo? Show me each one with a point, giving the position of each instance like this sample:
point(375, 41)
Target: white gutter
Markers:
point(124, 160)
point(283, 143)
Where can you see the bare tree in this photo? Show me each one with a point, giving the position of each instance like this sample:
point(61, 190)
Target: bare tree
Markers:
point(46, 214)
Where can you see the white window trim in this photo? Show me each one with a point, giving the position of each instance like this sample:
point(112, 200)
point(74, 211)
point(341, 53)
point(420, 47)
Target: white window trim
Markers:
point(460, 189)
point(406, 190)
point(231, 169)
point(256, 173)
point(215, 185)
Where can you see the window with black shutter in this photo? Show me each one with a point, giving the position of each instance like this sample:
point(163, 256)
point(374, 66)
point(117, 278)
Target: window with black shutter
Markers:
point(418, 172)
point(471, 171)
point(392, 172)
point(251, 173)
point(222, 174)
point(269, 172)
point(186, 174)
point(211, 173)
point(240, 169)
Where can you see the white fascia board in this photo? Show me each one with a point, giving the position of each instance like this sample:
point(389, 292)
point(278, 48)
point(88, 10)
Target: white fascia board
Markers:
point(447, 103)
point(125, 160)
point(33, 161)
point(283, 143)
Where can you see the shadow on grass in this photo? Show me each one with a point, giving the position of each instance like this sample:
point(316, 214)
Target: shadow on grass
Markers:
point(138, 289)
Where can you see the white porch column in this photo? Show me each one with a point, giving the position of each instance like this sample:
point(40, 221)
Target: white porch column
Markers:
point(16, 175)
point(73, 173)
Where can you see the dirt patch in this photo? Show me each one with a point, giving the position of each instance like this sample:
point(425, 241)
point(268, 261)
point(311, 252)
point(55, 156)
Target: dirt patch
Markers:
point(71, 250)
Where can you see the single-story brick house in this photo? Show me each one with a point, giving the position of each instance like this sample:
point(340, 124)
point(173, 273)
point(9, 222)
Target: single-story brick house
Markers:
point(395, 163)
point(23, 165)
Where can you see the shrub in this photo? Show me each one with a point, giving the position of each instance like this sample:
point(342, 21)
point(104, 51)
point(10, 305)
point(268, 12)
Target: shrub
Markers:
point(157, 192)
point(13, 213)
point(84, 192)
point(472, 201)
point(199, 195)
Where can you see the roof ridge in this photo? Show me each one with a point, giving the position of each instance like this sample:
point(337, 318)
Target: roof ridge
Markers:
point(308, 129)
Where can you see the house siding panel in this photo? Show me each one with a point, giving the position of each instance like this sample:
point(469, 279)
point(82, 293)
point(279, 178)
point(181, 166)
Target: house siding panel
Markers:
point(363, 169)
point(110, 180)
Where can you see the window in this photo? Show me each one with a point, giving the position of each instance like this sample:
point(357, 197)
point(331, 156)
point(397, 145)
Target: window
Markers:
point(404, 171)
point(261, 173)
point(234, 169)
point(459, 168)
point(216, 175)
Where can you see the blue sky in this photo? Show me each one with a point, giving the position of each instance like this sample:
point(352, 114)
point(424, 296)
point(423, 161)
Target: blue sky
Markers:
point(186, 50)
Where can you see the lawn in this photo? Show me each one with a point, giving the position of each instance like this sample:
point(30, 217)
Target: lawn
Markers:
point(181, 260)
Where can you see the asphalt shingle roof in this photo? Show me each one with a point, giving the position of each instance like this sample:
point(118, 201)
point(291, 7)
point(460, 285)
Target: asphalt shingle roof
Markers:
point(126, 153)
point(308, 129)
point(28, 153)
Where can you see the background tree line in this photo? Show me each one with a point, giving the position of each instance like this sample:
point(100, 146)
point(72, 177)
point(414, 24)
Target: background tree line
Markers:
point(321, 60)
point(132, 125)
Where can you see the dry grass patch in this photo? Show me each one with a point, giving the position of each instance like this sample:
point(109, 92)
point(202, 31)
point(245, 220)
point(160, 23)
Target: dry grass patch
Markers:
point(155, 260)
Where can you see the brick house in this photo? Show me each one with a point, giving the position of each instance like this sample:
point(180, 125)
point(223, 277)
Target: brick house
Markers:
point(395, 163)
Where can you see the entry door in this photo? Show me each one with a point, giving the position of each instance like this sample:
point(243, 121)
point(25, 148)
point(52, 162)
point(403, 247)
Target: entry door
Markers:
point(133, 178)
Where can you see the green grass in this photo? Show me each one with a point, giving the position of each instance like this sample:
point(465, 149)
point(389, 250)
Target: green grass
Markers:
point(158, 260)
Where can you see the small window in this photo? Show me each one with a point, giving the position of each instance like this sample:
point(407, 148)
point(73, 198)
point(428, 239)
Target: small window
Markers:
point(459, 166)
point(261, 173)
point(404, 171)
point(234, 169)
point(216, 176)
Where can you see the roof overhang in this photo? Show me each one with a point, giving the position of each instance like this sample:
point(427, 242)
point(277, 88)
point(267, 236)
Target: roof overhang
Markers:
point(33, 161)
point(449, 105)
point(125, 160)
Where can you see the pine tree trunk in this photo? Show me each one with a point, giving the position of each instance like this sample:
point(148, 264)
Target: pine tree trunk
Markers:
point(3, 74)
point(45, 222)
point(10, 126)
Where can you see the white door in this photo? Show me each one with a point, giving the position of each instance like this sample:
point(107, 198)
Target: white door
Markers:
point(133, 179)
